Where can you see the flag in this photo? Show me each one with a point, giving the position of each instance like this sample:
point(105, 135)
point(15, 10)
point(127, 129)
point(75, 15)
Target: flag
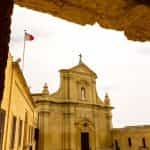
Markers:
point(28, 37)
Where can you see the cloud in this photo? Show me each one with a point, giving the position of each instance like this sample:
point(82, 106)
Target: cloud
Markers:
point(113, 87)
point(17, 39)
point(144, 50)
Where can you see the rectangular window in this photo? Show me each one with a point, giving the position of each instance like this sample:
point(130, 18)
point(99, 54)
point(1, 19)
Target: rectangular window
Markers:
point(144, 142)
point(117, 145)
point(36, 134)
point(20, 132)
point(12, 140)
point(129, 142)
point(2, 125)
point(30, 135)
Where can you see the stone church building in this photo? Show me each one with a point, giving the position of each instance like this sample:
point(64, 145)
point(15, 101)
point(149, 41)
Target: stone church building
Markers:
point(73, 118)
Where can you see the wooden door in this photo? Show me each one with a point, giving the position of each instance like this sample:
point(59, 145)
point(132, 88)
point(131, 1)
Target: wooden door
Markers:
point(84, 141)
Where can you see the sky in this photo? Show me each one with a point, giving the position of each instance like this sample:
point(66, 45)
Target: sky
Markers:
point(122, 66)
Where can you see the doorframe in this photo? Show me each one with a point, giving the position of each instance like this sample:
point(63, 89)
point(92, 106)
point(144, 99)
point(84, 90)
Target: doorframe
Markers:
point(86, 138)
point(85, 126)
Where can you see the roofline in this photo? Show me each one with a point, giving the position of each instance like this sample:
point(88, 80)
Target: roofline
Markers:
point(70, 69)
point(16, 65)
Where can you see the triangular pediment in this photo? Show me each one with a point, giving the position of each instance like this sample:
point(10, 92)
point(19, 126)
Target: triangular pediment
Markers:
point(82, 68)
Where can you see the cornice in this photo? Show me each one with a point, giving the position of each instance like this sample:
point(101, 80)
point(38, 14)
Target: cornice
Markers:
point(74, 103)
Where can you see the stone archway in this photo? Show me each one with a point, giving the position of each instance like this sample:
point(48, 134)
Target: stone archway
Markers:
point(130, 16)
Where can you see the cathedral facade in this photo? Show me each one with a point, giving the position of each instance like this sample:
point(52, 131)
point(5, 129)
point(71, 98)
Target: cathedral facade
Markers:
point(74, 118)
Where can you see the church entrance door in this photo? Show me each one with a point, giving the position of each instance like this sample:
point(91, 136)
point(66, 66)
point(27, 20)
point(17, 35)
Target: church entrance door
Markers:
point(85, 141)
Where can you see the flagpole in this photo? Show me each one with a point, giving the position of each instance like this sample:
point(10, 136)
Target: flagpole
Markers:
point(24, 46)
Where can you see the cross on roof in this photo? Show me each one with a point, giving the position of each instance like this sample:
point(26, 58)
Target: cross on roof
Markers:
point(80, 59)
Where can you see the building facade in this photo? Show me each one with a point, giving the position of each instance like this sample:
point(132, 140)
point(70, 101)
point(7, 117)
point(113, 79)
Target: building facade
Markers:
point(17, 112)
point(131, 138)
point(72, 118)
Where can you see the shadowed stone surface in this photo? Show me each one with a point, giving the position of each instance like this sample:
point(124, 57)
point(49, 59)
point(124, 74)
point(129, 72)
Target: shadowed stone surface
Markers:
point(5, 20)
point(130, 16)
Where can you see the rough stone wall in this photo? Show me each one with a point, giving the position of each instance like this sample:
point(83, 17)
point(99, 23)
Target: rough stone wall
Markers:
point(5, 21)
point(130, 16)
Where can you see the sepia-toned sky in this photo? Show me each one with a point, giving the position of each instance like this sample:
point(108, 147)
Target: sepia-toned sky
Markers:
point(122, 66)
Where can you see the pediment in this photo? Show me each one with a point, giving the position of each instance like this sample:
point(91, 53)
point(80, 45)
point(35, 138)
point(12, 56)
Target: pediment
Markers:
point(82, 68)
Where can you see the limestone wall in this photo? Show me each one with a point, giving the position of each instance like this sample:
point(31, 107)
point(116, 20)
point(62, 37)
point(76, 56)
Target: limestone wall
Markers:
point(131, 138)
point(17, 104)
point(61, 126)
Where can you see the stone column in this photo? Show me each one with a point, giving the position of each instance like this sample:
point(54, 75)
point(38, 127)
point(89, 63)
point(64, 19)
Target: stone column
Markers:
point(41, 130)
point(66, 125)
point(5, 21)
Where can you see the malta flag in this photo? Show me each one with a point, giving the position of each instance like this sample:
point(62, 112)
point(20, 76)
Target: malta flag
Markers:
point(28, 37)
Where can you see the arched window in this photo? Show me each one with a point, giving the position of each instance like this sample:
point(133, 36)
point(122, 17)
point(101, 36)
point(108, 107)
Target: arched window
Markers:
point(83, 93)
